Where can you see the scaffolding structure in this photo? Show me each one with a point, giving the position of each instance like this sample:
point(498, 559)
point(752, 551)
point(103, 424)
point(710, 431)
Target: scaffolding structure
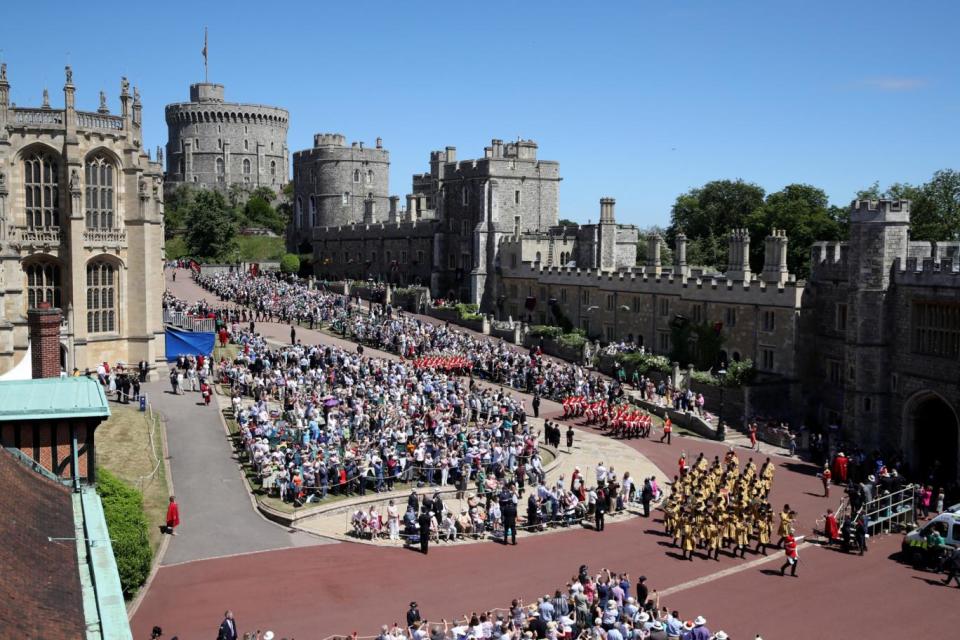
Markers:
point(889, 513)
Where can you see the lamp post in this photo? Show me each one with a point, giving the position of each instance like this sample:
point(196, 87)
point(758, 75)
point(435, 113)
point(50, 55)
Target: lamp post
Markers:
point(721, 429)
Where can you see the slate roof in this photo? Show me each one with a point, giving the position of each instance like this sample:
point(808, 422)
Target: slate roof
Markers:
point(40, 591)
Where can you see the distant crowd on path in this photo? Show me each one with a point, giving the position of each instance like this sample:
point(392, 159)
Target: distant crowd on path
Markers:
point(607, 605)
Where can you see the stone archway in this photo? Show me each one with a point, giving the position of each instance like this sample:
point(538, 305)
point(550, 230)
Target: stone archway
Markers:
point(932, 437)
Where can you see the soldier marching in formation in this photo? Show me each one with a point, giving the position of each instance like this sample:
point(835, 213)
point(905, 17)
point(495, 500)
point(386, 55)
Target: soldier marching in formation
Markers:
point(719, 506)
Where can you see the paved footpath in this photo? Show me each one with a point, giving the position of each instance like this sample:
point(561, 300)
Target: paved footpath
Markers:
point(216, 515)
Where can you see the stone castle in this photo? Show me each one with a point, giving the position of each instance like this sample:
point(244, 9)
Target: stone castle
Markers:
point(215, 144)
point(81, 229)
point(870, 342)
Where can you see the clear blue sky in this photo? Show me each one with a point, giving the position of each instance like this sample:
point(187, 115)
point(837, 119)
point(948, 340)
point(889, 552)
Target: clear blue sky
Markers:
point(636, 100)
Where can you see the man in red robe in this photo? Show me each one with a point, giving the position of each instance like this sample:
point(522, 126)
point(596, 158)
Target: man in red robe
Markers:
point(840, 468)
point(830, 527)
point(173, 516)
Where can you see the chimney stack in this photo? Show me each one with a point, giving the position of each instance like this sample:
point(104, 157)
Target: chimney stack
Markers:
point(44, 325)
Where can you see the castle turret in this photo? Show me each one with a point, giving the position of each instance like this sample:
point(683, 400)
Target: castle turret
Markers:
point(738, 261)
point(653, 253)
point(392, 212)
point(369, 210)
point(775, 258)
point(680, 255)
point(608, 236)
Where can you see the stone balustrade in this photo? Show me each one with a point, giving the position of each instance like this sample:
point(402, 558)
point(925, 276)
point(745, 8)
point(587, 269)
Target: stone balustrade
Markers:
point(34, 236)
point(104, 237)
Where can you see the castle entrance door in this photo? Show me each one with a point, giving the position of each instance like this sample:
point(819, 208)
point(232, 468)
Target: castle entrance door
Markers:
point(935, 439)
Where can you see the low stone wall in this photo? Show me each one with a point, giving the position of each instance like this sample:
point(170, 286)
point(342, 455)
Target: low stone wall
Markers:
point(452, 316)
point(553, 348)
point(680, 418)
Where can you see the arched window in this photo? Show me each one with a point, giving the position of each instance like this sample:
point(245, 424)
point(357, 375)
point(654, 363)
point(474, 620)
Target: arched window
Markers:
point(538, 256)
point(356, 175)
point(369, 176)
point(41, 179)
point(273, 171)
point(246, 166)
point(298, 213)
point(99, 193)
point(43, 284)
point(182, 167)
point(101, 297)
point(313, 211)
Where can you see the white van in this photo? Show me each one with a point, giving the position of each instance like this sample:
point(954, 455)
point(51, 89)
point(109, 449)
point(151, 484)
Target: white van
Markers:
point(915, 542)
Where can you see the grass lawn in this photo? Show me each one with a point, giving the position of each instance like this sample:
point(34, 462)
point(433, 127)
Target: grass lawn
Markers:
point(252, 248)
point(229, 351)
point(124, 448)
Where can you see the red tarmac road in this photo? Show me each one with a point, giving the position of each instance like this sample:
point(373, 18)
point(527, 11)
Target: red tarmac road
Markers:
point(316, 592)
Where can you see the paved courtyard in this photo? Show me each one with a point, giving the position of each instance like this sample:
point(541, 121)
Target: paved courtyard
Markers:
point(317, 591)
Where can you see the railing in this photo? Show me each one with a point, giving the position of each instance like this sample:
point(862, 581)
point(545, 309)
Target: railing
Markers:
point(33, 236)
point(87, 120)
point(38, 116)
point(105, 237)
point(187, 322)
point(890, 512)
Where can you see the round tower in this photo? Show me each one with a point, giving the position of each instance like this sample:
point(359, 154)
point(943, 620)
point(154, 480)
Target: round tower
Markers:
point(215, 144)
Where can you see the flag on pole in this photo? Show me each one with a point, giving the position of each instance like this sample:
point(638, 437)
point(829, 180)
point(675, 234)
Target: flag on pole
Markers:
point(204, 52)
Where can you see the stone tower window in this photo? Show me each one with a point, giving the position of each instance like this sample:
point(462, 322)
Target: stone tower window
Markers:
point(298, 213)
point(516, 197)
point(43, 284)
point(313, 211)
point(466, 195)
point(196, 143)
point(346, 198)
point(356, 175)
point(219, 165)
point(101, 297)
point(182, 167)
point(271, 146)
point(219, 143)
point(246, 166)
point(99, 193)
point(369, 176)
point(246, 145)
point(41, 189)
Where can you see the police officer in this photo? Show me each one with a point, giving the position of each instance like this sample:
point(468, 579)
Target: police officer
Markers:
point(508, 510)
point(424, 523)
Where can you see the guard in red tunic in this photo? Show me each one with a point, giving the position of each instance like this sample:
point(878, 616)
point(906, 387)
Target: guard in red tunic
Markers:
point(173, 516)
point(840, 468)
point(830, 527)
point(790, 549)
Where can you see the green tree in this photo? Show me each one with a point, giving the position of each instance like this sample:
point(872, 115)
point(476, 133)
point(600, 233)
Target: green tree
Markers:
point(127, 524)
point(290, 263)
point(174, 217)
point(804, 212)
point(707, 214)
point(211, 227)
point(257, 212)
point(566, 222)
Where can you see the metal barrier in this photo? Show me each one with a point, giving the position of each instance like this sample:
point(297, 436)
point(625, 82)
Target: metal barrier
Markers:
point(889, 511)
point(187, 322)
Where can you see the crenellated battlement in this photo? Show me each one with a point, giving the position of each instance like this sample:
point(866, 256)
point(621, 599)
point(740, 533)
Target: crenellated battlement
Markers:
point(927, 271)
point(883, 210)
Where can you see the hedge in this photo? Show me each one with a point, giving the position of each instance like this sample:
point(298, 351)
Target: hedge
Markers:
point(546, 331)
point(644, 362)
point(127, 523)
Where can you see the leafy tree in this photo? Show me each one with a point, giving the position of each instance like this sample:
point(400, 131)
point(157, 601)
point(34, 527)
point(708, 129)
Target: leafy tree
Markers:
point(804, 212)
point(566, 222)
point(173, 209)
point(264, 193)
point(237, 194)
point(257, 212)
point(290, 263)
point(127, 524)
point(707, 214)
point(211, 226)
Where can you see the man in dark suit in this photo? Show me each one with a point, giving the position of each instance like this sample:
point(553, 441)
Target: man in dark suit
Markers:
point(228, 628)
point(424, 531)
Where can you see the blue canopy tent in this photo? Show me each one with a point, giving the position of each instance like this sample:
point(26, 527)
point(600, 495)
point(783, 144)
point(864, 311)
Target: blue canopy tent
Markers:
point(188, 343)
